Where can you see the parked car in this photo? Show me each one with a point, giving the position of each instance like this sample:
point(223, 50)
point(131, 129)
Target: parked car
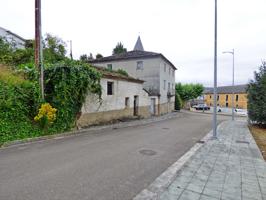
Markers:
point(201, 107)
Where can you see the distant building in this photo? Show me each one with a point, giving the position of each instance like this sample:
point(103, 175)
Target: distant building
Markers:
point(154, 68)
point(122, 97)
point(224, 96)
point(14, 39)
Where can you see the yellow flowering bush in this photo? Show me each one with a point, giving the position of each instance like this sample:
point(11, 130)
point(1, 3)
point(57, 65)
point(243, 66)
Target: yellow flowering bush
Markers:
point(46, 115)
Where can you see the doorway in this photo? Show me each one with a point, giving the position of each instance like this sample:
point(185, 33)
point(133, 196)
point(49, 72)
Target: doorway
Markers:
point(153, 106)
point(136, 105)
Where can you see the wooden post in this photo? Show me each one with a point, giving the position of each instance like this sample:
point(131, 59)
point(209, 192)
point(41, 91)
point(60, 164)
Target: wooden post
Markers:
point(38, 45)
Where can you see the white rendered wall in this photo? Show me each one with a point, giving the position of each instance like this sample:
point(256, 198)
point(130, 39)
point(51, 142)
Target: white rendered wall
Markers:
point(122, 89)
point(149, 73)
point(18, 43)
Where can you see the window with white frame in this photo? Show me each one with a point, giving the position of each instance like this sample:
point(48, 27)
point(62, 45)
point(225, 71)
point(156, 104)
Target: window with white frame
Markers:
point(109, 66)
point(164, 67)
point(110, 88)
point(164, 84)
point(139, 65)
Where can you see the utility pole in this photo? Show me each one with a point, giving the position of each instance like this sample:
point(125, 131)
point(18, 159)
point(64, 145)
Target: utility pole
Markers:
point(38, 45)
point(214, 125)
point(71, 55)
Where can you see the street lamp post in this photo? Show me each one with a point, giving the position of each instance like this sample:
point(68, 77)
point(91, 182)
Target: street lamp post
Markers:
point(233, 83)
point(214, 125)
point(70, 43)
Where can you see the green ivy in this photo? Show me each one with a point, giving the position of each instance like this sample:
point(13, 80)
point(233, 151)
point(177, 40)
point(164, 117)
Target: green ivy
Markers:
point(66, 88)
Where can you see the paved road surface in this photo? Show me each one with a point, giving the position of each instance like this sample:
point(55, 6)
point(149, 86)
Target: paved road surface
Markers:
point(103, 165)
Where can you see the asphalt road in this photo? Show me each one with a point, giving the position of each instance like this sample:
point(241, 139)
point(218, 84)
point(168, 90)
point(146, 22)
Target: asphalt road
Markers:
point(104, 165)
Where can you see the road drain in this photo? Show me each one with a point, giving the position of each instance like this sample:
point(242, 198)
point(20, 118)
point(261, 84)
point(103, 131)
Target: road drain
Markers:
point(200, 141)
point(148, 152)
point(165, 128)
point(242, 142)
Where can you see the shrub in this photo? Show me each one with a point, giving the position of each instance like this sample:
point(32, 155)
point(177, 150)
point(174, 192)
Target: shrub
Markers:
point(46, 115)
point(178, 102)
point(122, 72)
point(257, 97)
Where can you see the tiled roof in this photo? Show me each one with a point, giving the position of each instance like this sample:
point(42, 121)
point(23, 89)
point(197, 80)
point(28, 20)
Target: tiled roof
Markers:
point(115, 75)
point(131, 55)
point(14, 34)
point(227, 89)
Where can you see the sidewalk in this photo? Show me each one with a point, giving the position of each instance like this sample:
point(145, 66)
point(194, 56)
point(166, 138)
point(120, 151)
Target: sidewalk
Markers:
point(228, 168)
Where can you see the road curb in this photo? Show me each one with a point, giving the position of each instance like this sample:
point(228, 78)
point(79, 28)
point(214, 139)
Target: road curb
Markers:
point(90, 130)
point(161, 183)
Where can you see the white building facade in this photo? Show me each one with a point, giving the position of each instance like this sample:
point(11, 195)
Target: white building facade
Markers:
point(14, 39)
point(122, 97)
point(155, 69)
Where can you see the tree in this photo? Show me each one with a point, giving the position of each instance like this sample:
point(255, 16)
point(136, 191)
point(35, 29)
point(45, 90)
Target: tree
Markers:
point(98, 55)
point(119, 49)
point(54, 49)
point(178, 102)
point(83, 58)
point(257, 98)
point(189, 91)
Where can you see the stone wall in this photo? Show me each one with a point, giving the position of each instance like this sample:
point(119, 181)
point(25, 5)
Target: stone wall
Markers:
point(95, 118)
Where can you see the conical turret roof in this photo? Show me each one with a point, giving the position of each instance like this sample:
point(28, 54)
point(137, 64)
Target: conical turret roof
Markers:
point(138, 45)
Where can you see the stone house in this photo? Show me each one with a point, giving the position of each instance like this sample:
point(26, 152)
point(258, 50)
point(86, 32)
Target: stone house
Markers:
point(13, 38)
point(154, 68)
point(224, 96)
point(122, 97)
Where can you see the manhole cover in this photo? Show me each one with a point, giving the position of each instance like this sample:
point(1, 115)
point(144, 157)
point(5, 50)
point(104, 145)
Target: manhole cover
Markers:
point(200, 141)
point(242, 141)
point(148, 152)
point(165, 128)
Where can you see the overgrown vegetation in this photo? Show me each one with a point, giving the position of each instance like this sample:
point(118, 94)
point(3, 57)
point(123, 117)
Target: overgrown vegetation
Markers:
point(257, 97)
point(66, 88)
point(67, 83)
point(19, 99)
point(123, 72)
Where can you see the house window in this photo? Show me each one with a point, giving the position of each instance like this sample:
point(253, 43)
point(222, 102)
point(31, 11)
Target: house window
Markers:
point(217, 97)
point(210, 96)
point(168, 87)
point(109, 66)
point(164, 67)
point(226, 105)
point(173, 73)
point(172, 86)
point(127, 102)
point(164, 84)
point(237, 97)
point(226, 98)
point(169, 70)
point(139, 65)
point(110, 88)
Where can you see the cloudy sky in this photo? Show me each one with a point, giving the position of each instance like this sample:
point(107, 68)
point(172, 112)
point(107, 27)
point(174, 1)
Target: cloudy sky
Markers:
point(183, 30)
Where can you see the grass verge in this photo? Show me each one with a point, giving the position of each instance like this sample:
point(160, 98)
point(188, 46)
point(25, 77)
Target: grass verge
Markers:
point(259, 135)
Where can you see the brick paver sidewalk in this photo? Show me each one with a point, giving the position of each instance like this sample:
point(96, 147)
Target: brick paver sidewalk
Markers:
point(228, 168)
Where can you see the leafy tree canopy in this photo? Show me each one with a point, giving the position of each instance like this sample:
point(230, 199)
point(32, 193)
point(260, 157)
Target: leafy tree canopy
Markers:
point(189, 91)
point(98, 55)
point(257, 97)
point(119, 49)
